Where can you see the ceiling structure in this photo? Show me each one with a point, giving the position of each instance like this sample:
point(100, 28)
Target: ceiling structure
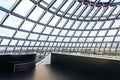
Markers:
point(59, 25)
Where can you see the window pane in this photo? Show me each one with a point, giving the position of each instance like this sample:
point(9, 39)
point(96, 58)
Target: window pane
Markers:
point(7, 3)
point(20, 34)
point(12, 21)
point(27, 26)
point(22, 8)
point(6, 32)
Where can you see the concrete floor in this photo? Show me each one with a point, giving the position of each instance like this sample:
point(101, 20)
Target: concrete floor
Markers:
point(46, 72)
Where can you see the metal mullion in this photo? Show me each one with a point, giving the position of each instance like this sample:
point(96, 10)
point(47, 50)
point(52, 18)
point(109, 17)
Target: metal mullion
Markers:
point(29, 33)
point(80, 35)
point(61, 5)
point(60, 46)
point(61, 29)
point(82, 11)
point(104, 10)
point(85, 36)
point(73, 34)
point(78, 6)
point(39, 47)
point(117, 15)
point(47, 37)
point(116, 49)
point(28, 47)
point(95, 35)
point(15, 45)
point(22, 24)
point(105, 47)
point(48, 46)
point(106, 32)
point(19, 28)
point(51, 3)
point(11, 9)
point(110, 13)
point(89, 34)
point(69, 30)
point(54, 29)
point(88, 12)
point(69, 7)
point(114, 36)
point(45, 28)
point(94, 14)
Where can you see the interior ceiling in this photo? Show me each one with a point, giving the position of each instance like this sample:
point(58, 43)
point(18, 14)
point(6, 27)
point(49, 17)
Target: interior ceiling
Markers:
point(59, 25)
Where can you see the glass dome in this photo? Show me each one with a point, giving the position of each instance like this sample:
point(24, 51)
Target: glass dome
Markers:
point(47, 26)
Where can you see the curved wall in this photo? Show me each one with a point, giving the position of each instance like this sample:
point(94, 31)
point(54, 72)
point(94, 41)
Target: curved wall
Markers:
point(13, 63)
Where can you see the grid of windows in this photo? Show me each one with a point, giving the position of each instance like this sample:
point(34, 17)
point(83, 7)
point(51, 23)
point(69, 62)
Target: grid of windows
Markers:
point(59, 25)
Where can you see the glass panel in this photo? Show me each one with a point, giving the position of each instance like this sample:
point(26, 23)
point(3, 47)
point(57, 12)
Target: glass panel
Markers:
point(72, 9)
point(67, 39)
point(82, 39)
point(43, 37)
point(63, 32)
point(5, 42)
point(75, 26)
point(85, 33)
point(101, 33)
point(20, 43)
point(47, 30)
point(93, 33)
point(32, 43)
point(65, 6)
point(54, 21)
point(74, 39)
point(59, 39)
point(33, 36)
point(27, 26)
point(108, 39)
point(22, 8)
point(56, 5)
point(27, 43)
point(111, 32)
point(116, 24)
point(36, 14)
point(38, 28)
point(46, 18)
point(2, 15)
point(55, 31)
point(107, 25)
point(62, 22)
point(6, 32)
point(99, 39)
point(13, 42)
point(51, 38)
point(68, 25)
point(70, 33)
point(7, 3)
point(98, 25)
point(12, 21)
point(78, 33)
point(90, 40)
point(84, 24)
point(20, 34)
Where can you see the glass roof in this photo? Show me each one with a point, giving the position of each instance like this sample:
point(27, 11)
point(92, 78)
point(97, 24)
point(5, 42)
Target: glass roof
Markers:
point(59, 25)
